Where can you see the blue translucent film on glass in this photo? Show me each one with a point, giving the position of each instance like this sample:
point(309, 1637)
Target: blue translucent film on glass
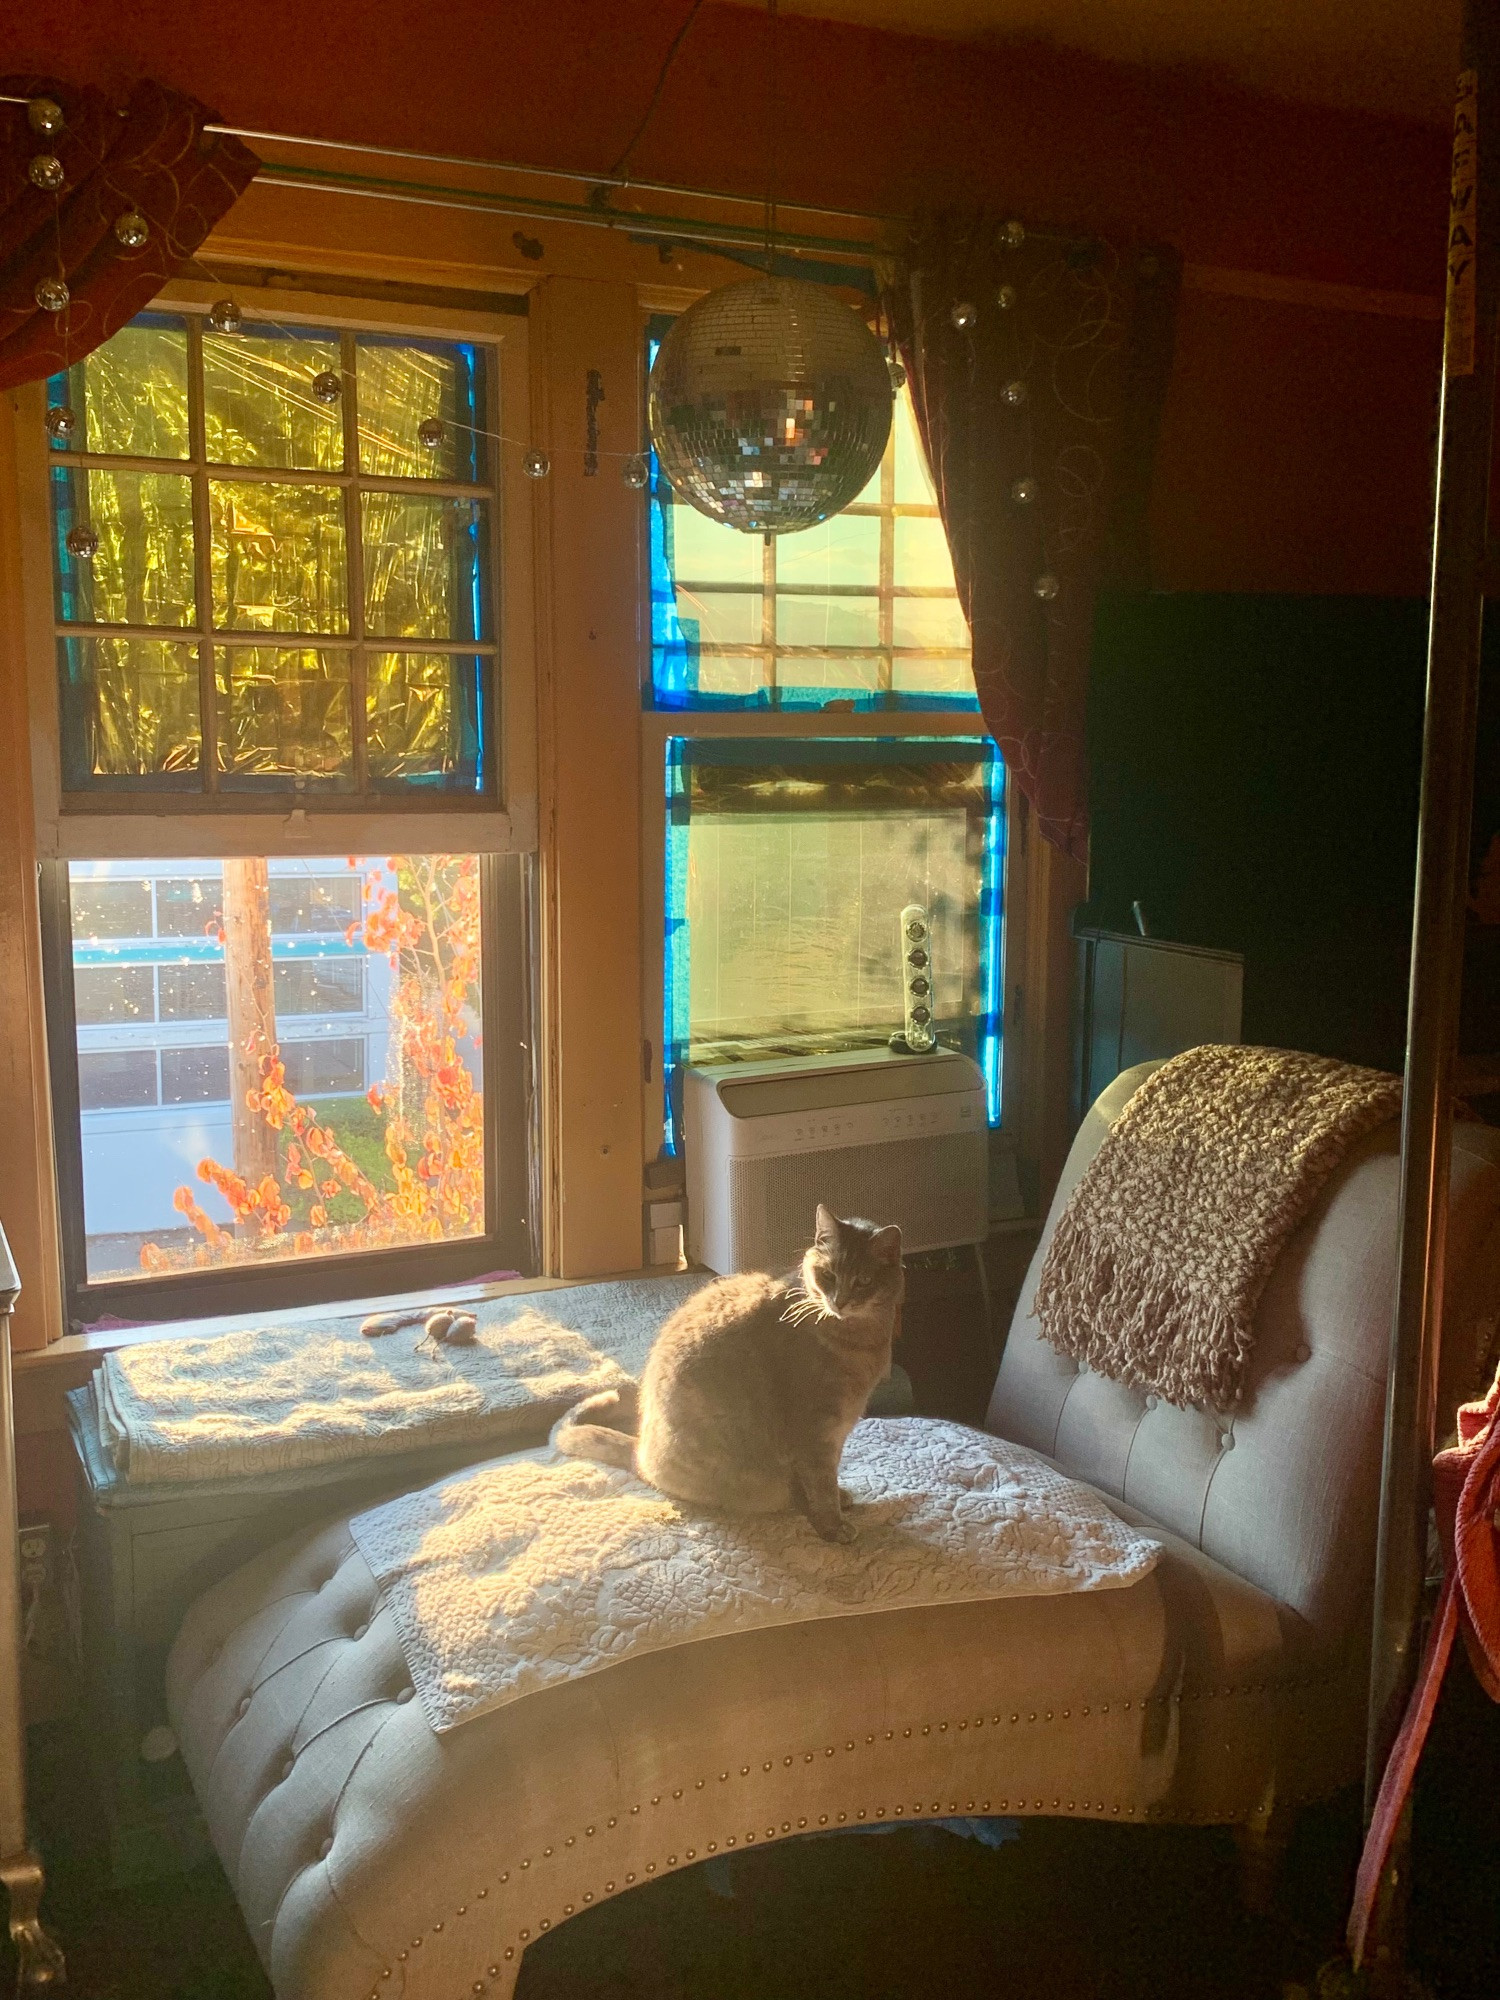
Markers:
point(674, 642)
point(990, 1027)
point(684, 754)
point(676, 995)
point(472, 415)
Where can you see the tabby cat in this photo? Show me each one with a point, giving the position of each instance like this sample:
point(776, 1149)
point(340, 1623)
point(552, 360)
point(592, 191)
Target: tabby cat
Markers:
point(754, 1383)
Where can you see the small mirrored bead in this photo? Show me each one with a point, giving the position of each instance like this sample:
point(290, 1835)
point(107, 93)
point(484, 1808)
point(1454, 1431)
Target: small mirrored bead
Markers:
point(51, 294)
point(45, 171)
point(1024, 491)
point(224, 316)
point(1006, 298)
point(431, 432)
point(536, 464)
point(1012, 234)
point(131, 229)
point(327, 386)
point(1046, 587)
point(636, 472)
point(897, 372)
point(45, 116)
point(83, 543)
point(61, 424)
point(964, 315)
point(1014, 393)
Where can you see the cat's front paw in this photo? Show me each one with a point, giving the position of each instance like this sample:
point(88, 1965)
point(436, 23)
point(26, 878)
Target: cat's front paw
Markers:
point(842, 1530)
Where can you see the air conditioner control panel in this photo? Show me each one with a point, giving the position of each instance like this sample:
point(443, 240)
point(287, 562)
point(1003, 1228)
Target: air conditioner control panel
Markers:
point(880, 1123)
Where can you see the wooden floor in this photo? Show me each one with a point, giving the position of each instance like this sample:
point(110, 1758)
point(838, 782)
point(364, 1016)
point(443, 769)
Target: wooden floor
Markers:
point(1068, 1911)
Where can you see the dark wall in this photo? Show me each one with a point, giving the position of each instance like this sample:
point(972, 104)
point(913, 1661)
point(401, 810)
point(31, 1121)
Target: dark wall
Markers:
point(1255, 767)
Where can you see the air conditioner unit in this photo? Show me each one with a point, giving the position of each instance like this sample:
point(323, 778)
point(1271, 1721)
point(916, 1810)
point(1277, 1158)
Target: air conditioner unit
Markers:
point(897, 1138)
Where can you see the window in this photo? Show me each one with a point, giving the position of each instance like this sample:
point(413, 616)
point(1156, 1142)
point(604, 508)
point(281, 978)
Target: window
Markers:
point(273, 563)
point(285, 1068)
point(860, 610)
point(812, 718)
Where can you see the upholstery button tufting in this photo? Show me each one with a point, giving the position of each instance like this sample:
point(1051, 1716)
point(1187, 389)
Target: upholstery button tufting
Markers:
point(287, 1768)
point(1304, 1352)
point(1226, 1441)
point(359, 1632)
point(244, 1707)
point(1152, 1401)
point(405, 1695)
point(326, 1848)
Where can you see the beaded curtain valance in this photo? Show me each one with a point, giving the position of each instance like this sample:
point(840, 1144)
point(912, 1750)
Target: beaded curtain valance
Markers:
point(1038, 366)
point(99, 207)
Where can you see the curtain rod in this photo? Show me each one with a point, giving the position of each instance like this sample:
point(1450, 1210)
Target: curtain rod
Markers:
point(595, 213)
point(604, 182)
point(649, 227)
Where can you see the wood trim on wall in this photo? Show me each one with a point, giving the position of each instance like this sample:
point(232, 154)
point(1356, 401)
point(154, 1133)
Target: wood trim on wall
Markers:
point(28, 1187)
point(586, 353)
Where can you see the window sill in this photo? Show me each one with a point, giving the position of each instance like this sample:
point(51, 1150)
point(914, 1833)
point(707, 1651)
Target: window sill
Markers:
point(74, 1348)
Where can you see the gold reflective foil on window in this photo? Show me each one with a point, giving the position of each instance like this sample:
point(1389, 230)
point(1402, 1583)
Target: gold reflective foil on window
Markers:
point(413, 718)
point(422, 557)
point(132, 392)
point(285, 712)
point(142, 570)
point(258, 405)
point(277, 566)
point(278, 556)
point(403, 385)
point(142, 699)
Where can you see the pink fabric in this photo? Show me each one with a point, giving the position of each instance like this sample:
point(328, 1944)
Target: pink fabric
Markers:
point(1466, 1496)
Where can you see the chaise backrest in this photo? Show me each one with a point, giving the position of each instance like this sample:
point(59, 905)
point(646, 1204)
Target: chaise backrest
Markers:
point(1284, 1491)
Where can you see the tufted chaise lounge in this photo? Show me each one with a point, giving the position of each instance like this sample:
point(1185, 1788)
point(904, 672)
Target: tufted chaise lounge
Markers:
point(374, 1859)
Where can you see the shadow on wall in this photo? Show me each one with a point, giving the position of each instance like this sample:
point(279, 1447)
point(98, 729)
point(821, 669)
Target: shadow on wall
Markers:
point(1255, 768)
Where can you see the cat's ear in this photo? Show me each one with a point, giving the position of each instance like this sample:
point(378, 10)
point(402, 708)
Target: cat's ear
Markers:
point(885, 1244)
point(828, 1226)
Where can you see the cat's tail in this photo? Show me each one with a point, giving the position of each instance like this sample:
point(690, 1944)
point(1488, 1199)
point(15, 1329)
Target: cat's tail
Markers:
point(601, 1427)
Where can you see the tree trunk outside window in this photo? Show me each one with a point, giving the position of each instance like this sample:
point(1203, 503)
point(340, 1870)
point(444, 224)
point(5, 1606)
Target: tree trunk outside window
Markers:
point(252, 1012)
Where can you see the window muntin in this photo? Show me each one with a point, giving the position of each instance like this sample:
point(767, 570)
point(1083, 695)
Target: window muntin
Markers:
point(788, 863)
point(861, 609)
point(368, 1091)
point(241, 624)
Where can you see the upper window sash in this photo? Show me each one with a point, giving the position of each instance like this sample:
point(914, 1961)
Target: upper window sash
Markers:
point(860, 612)
point(350, 700)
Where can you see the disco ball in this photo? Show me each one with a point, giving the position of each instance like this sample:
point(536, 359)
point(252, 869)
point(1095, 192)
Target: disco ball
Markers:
point(770, 405)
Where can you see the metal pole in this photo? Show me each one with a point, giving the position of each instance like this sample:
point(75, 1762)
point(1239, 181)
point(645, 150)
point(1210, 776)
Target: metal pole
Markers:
point(1458, 548)
point(38, 1959)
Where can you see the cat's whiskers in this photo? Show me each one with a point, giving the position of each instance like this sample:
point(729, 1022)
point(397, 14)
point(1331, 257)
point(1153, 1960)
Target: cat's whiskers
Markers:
point(804, 1305)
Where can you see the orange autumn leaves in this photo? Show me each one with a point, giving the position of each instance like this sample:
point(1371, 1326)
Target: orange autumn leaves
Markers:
point(421, 913)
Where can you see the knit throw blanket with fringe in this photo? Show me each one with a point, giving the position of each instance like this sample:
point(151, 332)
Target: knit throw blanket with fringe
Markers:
point(1159, 1259)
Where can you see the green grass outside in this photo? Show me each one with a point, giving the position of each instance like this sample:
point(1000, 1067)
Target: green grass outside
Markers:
point(360, 1130)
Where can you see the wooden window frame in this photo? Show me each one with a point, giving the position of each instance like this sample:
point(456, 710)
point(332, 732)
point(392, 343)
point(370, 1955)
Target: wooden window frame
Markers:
point(501, 829)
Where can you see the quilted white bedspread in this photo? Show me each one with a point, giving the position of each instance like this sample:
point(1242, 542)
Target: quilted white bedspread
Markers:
point(509, 1577)
point(277, 1399)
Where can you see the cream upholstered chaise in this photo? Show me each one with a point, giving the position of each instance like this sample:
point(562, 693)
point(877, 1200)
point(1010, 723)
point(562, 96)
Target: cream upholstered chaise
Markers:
point(374, 1858)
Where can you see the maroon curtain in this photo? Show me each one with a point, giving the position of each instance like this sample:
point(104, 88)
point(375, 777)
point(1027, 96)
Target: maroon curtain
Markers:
point(151, 163)
point(1038, 366)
